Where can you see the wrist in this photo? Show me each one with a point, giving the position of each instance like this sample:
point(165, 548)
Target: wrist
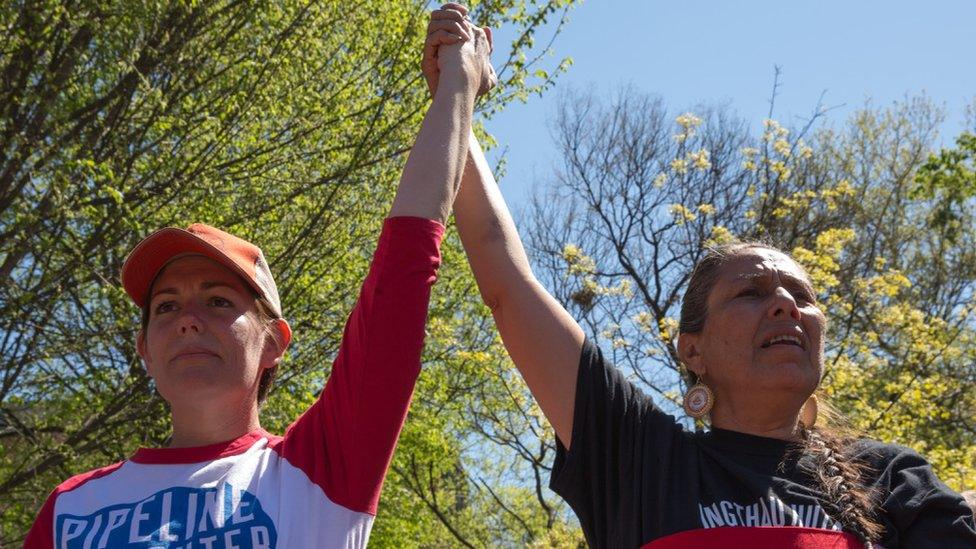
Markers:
point(456, 76)
point(456, 90)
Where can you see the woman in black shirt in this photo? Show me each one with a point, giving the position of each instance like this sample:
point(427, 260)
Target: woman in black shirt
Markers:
point(752, 333)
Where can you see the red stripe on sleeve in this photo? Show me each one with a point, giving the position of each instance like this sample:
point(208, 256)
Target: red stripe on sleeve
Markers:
point(41, 534)
point(345, 441)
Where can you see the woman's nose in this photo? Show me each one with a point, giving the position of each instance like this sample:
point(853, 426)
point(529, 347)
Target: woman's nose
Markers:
point(784, 304)
point(189, 321)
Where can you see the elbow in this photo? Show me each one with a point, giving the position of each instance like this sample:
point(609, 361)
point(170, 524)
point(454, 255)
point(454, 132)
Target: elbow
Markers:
point(518, 288)
point(492, 300)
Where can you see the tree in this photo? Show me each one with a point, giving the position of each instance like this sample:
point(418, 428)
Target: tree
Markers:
point(640, 193)
point(951, 178)
point(473, 456)
point(284, 122)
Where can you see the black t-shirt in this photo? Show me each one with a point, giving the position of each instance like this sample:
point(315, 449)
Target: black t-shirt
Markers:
point(633, 475)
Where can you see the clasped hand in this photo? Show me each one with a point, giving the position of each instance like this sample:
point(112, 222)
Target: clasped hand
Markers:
point(457, 52)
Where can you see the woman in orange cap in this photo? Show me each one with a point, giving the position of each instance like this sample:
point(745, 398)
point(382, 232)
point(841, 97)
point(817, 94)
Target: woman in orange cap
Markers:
point(212, 335)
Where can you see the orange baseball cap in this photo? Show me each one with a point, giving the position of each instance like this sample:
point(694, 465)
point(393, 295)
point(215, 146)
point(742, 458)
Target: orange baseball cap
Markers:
point(156, 250)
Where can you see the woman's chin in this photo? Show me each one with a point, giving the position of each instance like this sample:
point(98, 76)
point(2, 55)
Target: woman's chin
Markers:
point(787, 375)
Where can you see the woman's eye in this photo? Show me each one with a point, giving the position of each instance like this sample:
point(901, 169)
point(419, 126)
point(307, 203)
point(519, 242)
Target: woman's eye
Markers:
point(748, 292)
point(220, 302)
point(803, 295)
point(165, 307)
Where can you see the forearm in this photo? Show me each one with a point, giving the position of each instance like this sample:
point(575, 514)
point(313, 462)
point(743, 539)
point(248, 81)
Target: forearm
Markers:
point(432, 174)
point(541, 337)
point(495, 252)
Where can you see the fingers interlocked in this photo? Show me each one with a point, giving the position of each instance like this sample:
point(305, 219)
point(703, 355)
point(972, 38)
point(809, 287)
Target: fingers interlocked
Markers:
point(449, 26)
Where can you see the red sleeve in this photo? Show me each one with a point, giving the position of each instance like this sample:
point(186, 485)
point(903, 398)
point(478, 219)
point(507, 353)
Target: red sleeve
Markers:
point(345, 441)
point(41, 534)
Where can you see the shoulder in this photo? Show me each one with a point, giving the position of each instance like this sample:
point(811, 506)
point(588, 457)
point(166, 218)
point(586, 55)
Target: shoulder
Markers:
point(905, 478)
point(885, 455)
point(612, 404)
point(891, 465)
point(919, 510)
point(601, 380)
point(40, 533)
point(80, 480)
point(870, 448)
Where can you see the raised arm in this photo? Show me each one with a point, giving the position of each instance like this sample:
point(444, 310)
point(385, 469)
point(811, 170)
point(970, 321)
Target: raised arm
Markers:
point(541, 337)
point(432, 173)
point(345, 441)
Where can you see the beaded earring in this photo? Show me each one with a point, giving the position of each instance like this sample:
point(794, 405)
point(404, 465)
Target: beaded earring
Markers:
point(698, 400)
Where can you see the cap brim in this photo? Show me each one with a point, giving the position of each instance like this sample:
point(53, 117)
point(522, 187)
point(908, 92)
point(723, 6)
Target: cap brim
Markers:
point(156, 250)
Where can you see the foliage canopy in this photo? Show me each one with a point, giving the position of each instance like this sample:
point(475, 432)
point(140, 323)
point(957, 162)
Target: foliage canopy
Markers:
point(284, 122)
point(287, 123)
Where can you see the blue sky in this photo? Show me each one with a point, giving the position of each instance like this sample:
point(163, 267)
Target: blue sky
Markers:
point(694, 51)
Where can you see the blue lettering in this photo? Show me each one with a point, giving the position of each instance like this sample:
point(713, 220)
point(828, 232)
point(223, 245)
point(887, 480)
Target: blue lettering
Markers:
point(116, 519)
point(71, 529)
point(177, 518)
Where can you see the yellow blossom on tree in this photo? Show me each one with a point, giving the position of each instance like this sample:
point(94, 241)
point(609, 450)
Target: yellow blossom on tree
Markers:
point(700, 159)
point(772, 130)
point(885, 285)
point(782, 147)
point(579, 263)
point(804, 151)
point(643, 320)
point(667, 328)
point(720, 235)
point(780, 169)
point(682, 214)
point(679, 165)
point(688, 121)
point(831, 195)
point(623, 288)
point(822, 262)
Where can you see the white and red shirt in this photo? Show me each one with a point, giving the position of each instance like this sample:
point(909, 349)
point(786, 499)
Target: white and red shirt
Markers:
point(316, 486)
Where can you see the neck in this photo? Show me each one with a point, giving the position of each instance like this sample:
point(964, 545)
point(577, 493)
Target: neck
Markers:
point(753, 419)
point(198, 427)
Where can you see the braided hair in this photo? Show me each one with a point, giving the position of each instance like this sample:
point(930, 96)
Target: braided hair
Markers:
point(845, 498)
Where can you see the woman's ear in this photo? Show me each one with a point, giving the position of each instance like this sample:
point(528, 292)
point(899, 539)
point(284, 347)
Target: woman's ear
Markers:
point(279, 337)
point(689, 352)
point(284, 333)
point(141, 349)
point(141, 344)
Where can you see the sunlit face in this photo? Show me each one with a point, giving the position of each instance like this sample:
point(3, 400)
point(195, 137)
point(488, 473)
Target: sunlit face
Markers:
point(763, 331)
point(204, 342)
